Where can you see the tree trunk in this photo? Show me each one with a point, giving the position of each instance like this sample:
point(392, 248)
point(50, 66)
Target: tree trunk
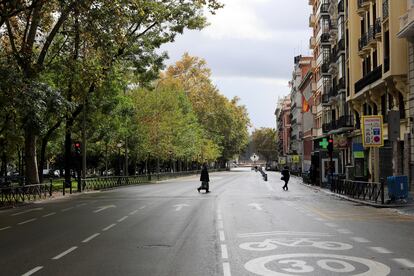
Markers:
point(68, 152)
point(30, 157)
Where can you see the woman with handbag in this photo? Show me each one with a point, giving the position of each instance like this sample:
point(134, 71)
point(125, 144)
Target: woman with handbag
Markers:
point(204, 178)
point(285, 177)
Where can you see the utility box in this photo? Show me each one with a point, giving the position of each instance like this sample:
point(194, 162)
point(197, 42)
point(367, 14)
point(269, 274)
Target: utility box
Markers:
point(397, 187)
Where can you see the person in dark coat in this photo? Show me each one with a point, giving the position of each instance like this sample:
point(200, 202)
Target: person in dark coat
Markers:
point(285, 177)
point(204, 178)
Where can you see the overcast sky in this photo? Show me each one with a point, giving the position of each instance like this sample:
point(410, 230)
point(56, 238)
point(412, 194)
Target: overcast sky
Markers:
point(250, 46)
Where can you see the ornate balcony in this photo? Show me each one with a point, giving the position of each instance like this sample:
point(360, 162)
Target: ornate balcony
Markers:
point(372, 42)
point(407, 24)
point(363, 7)
point(385, 10)
point(362, 45)
point(325, 38)
point(341, 7)
point(312, 43)
point(370, 78)
point(312, 20)
point(378, 28)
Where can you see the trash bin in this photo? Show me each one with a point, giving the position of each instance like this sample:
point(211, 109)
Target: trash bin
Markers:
point(397, 187)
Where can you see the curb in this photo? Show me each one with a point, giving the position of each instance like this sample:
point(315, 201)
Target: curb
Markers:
point(363, 202)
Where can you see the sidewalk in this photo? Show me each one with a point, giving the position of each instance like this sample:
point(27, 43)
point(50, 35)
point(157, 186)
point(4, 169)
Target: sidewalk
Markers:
point(403, 207)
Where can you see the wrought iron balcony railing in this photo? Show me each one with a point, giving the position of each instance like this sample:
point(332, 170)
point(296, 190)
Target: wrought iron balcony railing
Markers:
point(362, 42)
point(370, 78)
point(385, 10)
point(378, 26)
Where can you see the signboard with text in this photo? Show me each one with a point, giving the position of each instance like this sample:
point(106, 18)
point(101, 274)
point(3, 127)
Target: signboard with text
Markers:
point(372, 131)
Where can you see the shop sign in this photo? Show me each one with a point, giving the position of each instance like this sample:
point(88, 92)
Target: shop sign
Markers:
point(282, 160)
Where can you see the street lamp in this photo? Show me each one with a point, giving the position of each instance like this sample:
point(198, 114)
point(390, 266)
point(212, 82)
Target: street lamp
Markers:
point(119, 145)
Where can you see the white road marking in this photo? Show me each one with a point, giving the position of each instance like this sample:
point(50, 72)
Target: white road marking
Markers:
point(142, 207)
point(256, 205)
point(90, 238)
point(298, 263)
point(178, 207)
point(122, 219)
point(102, 208)
point(381, 250)
point(283, 233)
point(220, 224)
point(133, 212)
point(224, 253)
point(27, 221)
point(27, 211)
point(222, 237)
point(344, 231)
point(67, 209)
point(331, 224)
point(33, 271)
point(80, 205)
point(4, 228)
point(226, 269)
point(48, 215)
point(320, 219)
point(64, 253)
point(360, 239)
point(108, 227)
point(404, 262)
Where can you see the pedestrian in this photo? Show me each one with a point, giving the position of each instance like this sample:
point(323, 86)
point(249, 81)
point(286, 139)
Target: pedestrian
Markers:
point(285, 177)
point(204, 178)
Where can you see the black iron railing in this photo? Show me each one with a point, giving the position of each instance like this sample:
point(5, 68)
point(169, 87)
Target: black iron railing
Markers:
point(385, 10)
point(378, 26)
point(341, 7)
point(345, 121)
point(325, 37)
point(325, 8)
point(371, 34)
point(369, 191)
point(362, 42)
point(371, 77)
point(341, 84)
point(26, 193)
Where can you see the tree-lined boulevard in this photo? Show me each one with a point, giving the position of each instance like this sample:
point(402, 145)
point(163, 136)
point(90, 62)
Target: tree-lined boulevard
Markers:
point(245, 226)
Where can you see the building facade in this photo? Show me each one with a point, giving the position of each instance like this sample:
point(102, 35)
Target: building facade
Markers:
point(283, 126)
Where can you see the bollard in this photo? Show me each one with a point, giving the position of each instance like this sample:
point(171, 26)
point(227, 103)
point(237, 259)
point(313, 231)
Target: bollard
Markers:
point(382, 191)
point(50, 188)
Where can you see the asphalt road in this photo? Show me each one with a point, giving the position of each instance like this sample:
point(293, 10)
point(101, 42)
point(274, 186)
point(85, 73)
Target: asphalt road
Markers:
point(245, 226)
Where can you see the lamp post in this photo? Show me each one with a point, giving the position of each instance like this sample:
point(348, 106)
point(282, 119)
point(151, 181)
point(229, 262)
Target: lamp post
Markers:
point(119, 145)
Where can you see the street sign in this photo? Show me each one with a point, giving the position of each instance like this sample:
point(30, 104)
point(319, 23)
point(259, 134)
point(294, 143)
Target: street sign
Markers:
point(282, 160)
point(372, 131)
point(254, 157)
point(295, 159)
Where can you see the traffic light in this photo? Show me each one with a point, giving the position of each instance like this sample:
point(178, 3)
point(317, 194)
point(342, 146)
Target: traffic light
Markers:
point(77, 148)
point(330, 146)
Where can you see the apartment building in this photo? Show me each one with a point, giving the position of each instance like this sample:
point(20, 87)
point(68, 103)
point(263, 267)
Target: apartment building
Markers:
point(406, 31)
point(302, 65)
point(283, 126)
point(378, 69)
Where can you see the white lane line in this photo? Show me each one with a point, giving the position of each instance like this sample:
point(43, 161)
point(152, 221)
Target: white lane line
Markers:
point(27, 221)
point(283, 233)
point(27, 211)
point(90, 238)
point(404, 262)
point(33, 271)
point(143, 207)
point(220, 224)
point(344, 231)
point(331, 224)
point(381, 250)
point(64, 253)
point(67, 209)
point(222, 237)
point(133, 212)
point(4, 228)
point(48, 215)
point(108, 227)
point(224, 253)
point(122, 219)
point(360, 239)
point(226, 269)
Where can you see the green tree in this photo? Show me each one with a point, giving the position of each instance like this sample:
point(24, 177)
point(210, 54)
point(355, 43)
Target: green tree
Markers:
point(264, 140)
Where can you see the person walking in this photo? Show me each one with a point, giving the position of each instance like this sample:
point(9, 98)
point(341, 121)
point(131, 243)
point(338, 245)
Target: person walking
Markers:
point(204, 178)
point(285, 177)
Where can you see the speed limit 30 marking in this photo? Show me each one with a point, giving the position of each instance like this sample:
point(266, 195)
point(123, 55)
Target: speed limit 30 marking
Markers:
point(303, 263)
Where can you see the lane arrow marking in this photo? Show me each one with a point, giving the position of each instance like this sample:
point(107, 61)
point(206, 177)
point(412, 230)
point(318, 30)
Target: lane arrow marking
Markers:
point(104, 208)
point(257, 206)
point(178, 207)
